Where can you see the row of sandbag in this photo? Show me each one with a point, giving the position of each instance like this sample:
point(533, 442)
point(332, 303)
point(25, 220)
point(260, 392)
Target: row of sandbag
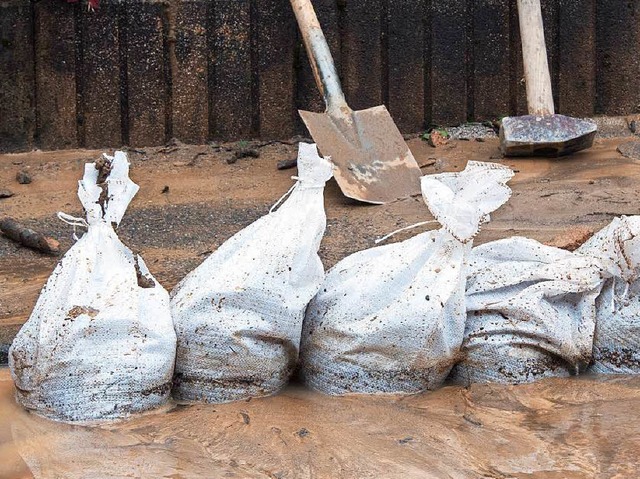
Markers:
point(101, 344)
point(402, 318)
point(535, 311)
point(101, 341)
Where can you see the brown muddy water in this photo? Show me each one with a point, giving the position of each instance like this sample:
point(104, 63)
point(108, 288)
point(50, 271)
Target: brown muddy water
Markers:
point(583, 427)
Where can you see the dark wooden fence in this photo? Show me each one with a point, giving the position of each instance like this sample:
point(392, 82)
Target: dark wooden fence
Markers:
point(141, 72)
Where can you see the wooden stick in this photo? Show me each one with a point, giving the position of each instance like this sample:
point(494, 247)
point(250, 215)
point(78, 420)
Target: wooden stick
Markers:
point(534, 54)
point(29, 238)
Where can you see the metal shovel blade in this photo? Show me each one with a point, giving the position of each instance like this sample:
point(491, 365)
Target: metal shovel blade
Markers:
point(374, 164)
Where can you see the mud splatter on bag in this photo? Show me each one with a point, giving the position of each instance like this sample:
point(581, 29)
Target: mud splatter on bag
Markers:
point(616, 347)
point(530, 312)
point(239, 314)
point(99, 343)
point(391, 319)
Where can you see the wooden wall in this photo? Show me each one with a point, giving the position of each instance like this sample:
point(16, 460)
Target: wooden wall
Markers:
point(142, 72)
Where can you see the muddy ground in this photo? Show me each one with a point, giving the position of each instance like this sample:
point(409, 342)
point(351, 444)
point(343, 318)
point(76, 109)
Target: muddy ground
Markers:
point(555, 429)
point(193, 198)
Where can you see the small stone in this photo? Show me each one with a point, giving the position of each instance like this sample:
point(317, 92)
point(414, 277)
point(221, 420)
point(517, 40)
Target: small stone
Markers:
point(436, 139)
point(245, 418)
point(6, 193)
point(630, 149)
point(287, 164)
point(23, 177)
point(246, 153)
point(165, 190)
point(429, 162)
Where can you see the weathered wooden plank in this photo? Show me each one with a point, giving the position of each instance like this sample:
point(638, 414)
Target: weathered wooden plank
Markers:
point(55, 62)
point(230, 77)
point(362, 53)
point(618, 59)
point(517, 90)
point(220, 96)
point(406, 64)
point(146, 81)
point(577, 69)
point(189, 71)
point(276, 31)
point(17, 113)
point(491, 58)
point(551, 33)
point(101, 77)
point(448, 62)
point(308, 96)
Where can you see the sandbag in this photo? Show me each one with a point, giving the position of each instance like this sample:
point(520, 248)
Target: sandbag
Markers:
point(616, 346)
point(238, 315)
point(530, 312)
point(99, 343)
point(390, 319)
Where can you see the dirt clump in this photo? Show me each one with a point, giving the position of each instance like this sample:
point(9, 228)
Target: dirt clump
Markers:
point(572, 238)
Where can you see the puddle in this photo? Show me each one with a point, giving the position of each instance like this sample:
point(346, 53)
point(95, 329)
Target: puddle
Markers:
point(560, 428)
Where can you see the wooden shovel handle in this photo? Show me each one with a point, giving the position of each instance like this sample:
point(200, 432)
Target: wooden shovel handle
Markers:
point(324, 70)
point(534, 53)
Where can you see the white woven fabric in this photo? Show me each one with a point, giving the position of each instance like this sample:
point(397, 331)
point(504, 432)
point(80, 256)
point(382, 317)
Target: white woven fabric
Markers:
point(616, 348)
point(97, 345)
point(239, 314)
point(391, 319)
point(530, 312)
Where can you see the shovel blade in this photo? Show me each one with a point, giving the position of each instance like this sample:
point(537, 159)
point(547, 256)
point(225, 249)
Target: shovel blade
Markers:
point(373, 162)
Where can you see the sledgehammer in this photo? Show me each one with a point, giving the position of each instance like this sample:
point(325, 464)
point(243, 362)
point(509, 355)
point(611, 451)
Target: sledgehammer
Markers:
point(541, 132)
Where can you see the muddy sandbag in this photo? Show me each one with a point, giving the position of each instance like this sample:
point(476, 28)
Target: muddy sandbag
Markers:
point(99, 343)
point(616, 346)
point(238, 315)
point(391, 319)
point(530, 312)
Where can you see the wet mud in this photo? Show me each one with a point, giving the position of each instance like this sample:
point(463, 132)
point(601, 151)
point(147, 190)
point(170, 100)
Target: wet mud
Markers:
point(191, 200)
point(556, 428)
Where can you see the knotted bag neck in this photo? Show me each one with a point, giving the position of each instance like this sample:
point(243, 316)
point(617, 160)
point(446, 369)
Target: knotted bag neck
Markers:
point(106, 190)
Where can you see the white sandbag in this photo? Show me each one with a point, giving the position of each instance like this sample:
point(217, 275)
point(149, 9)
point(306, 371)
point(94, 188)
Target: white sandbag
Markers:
point(238, 315)
point(616, 347)
point(100, 342)
point(391, 319)
point(530, 312)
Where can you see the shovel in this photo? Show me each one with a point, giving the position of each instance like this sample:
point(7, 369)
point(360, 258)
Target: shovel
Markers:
point(373, 162)
point(541, 132)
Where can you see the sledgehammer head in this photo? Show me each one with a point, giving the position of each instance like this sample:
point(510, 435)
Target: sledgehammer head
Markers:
point(553, 135)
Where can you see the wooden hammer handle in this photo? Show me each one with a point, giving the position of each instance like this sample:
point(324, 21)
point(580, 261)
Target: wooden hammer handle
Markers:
point(534, 53)
point(324, 70)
